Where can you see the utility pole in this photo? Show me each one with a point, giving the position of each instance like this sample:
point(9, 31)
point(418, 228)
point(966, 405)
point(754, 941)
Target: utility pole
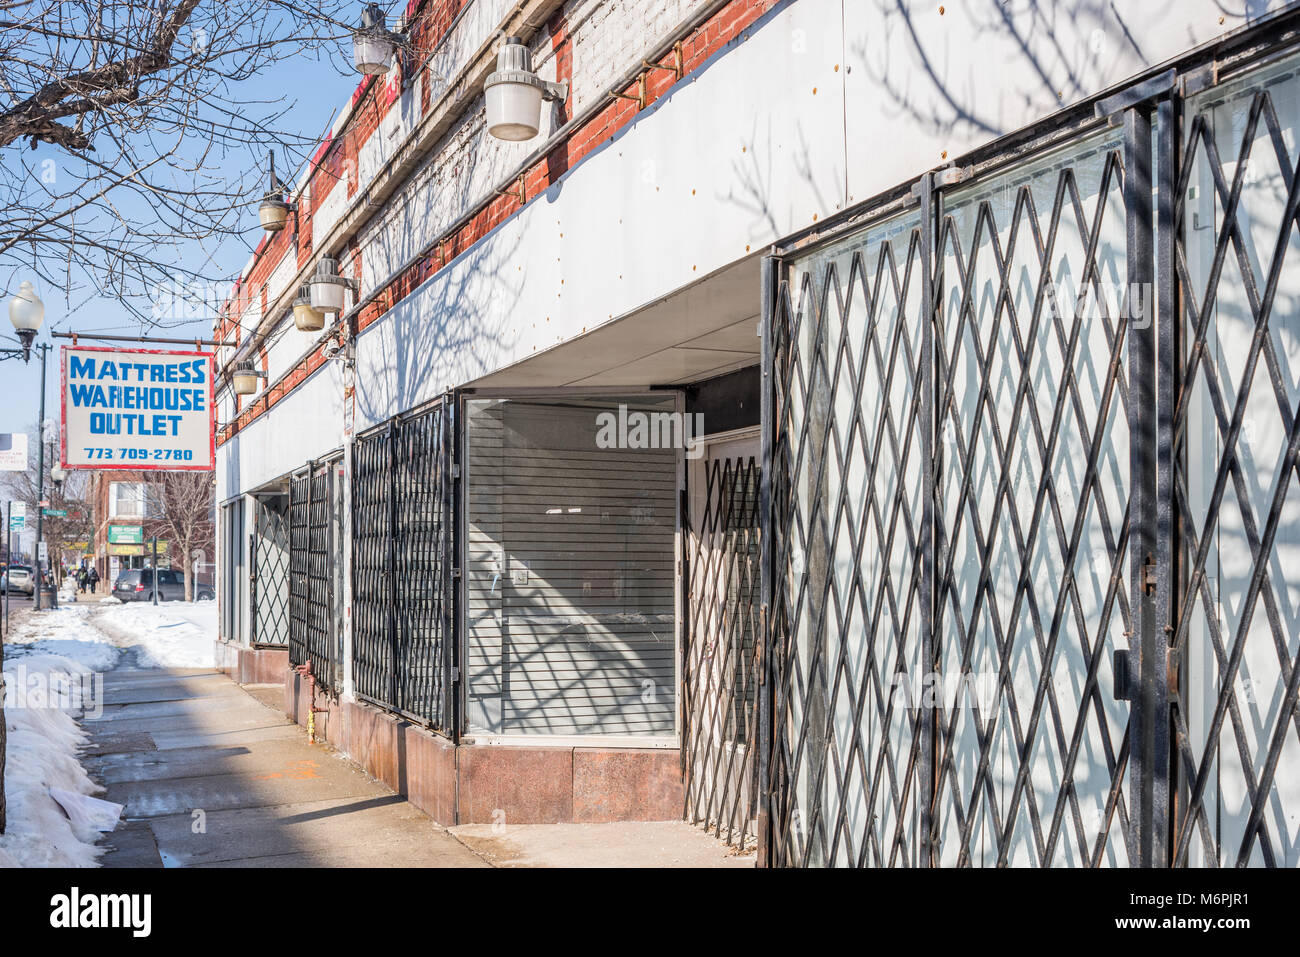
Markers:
point(9, 558)
point(43, 349)
point(155, 570)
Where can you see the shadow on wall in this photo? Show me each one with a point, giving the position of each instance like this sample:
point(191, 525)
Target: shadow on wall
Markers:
point(920, 73)
point(444, 333)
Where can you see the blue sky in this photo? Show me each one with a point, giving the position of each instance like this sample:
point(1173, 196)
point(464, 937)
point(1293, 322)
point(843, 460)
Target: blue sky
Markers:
point(316, 90)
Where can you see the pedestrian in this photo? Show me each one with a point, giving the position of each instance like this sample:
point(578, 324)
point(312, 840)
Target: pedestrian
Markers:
point(94, 578)
point(81, 579)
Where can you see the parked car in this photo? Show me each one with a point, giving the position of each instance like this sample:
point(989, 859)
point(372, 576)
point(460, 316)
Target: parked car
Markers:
point(136, 584)
point(19, 578)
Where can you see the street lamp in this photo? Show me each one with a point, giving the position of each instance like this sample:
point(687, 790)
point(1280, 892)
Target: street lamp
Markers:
point(372, 43)
point(26, 312)
point(59, 474)
point(274, 211)
point(515, 93)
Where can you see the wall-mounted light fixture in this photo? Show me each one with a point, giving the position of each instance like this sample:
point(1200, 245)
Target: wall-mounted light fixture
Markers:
point(273, 213)
point(515, 93)
point(244, 378)
point(305, 318)
point(326, 287)
point(373, 44)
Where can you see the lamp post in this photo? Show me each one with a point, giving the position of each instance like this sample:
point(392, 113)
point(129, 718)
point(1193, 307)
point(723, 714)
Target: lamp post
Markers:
point(27, 312)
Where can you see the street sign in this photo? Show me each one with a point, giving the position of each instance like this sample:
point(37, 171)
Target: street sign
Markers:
point(126, 534)
point(55, 513)
point(18, 516)
point(13, 451)
point(42, 553)
point(137, 409)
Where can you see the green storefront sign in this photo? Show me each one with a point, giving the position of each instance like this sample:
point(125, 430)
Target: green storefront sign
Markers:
point(126, 534)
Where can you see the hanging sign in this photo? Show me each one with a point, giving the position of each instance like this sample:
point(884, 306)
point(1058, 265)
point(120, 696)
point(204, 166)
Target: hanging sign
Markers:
point(137, 409)
point(17, 516)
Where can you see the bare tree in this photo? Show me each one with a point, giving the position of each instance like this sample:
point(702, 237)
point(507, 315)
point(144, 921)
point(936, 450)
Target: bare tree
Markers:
point(61, 532)
point(155, 127)
point(183, 503)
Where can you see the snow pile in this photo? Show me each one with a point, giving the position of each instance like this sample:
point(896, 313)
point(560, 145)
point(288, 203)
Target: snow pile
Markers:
point(65, 631)
point(173, 634)
point(50, 673)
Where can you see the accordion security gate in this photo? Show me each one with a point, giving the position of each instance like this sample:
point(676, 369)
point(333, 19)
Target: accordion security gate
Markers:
point(721, 686)
point(314, 633)
point(1029, 446)
point(403, 586)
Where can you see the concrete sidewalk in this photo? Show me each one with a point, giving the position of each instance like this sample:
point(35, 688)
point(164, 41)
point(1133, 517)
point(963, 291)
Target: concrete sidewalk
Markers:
point(211, 776)
point(215, 775)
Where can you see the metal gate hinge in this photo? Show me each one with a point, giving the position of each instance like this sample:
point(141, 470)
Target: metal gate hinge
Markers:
point(455, 471)
point(455, 673)
point(455, 573)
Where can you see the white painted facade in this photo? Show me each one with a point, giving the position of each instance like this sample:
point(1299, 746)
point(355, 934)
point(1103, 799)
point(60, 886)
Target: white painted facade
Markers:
point(639, 267)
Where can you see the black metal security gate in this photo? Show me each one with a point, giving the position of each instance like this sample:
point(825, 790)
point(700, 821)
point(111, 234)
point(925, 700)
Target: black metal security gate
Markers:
point(1029, 444)
point(269, 575)
point(314, 631)
point(403, 585)
point(722, 668)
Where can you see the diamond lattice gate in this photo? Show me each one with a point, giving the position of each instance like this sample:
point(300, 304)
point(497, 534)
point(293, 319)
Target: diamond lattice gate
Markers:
point(1233, 423)
point(1030, 459)
point(721, 679)
point(270, 571)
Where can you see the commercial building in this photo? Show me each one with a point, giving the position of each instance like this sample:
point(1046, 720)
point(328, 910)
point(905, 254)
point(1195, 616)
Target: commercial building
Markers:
point(127, 508)
point(866, 430)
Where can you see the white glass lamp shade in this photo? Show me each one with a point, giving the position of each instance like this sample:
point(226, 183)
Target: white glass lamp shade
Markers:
point(26, 311)
point(58, 473)
point(372, 52)
point(307, 319)
point(514, 110)
point(273, 213)
point(327, 294)
point(244, 382)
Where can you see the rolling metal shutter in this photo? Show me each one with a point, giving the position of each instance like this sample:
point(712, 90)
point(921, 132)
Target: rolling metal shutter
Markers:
point(570, 585)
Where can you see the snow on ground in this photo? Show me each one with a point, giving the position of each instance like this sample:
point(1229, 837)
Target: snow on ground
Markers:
point(173, 634)
point(50, 666)
point(51, 662)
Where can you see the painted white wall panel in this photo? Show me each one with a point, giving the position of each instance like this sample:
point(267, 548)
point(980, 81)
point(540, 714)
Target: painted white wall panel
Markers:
point(304, 425)
point(920, 82)
point(747, 150)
